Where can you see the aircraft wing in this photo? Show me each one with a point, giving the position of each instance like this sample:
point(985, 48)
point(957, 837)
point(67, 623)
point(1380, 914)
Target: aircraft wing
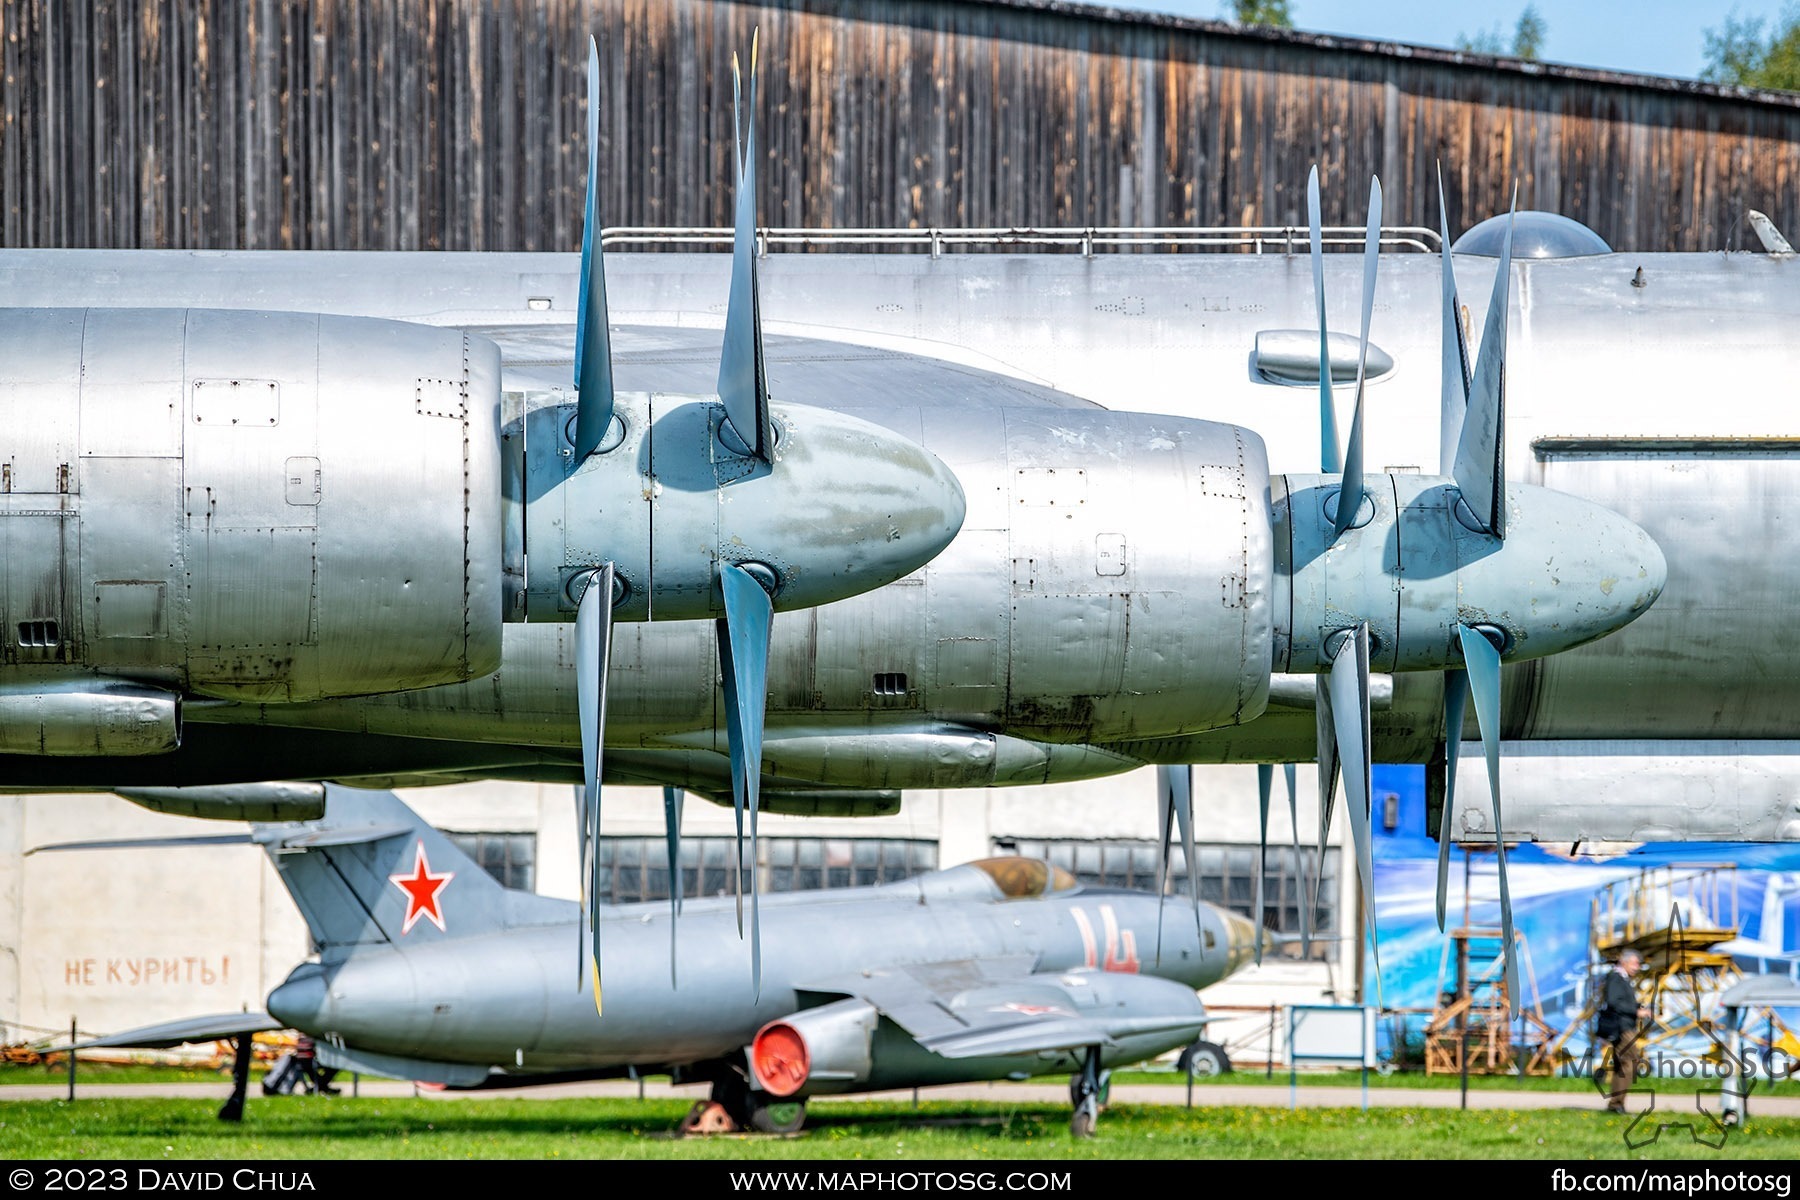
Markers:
point(971, 1008)
point(179, 1033)
point(1014, 1032)
point(801, 370)
point(919, 998)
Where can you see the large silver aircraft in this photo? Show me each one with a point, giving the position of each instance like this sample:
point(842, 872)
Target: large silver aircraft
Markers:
point(242, 543)
point(427, 969)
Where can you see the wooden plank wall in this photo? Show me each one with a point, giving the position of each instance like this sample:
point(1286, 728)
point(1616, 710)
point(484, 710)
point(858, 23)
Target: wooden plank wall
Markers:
point(458, 125)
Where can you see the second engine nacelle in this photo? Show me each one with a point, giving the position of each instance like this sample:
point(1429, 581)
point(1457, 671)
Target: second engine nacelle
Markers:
point(258, 506)
point(236, 802)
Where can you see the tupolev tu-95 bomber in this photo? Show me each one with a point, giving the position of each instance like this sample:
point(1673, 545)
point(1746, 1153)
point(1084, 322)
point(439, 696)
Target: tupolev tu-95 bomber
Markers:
point(243, 544)
point(429, 970)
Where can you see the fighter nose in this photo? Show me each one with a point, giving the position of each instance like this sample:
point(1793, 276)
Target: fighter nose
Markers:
point(299, 1003)
point(1242, 936)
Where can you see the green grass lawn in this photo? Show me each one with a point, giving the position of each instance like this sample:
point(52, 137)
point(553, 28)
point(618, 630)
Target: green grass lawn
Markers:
point(58, 1072)
point(1418, 1079)
point(86, 1073)
point(504, 1127)
point(101, 1073)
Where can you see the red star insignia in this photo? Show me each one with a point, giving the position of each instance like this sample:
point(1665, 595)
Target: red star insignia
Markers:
point(1031, 1010)
point(422, 888)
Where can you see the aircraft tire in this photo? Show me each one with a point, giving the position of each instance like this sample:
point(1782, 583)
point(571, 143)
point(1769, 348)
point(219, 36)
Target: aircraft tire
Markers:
point(1084, 1118)
point(777, 1116)
point(1203, 1059)
point(1105, 1093)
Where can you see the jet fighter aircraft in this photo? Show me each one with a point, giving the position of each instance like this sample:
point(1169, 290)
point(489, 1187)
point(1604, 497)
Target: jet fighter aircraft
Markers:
point(429, 970)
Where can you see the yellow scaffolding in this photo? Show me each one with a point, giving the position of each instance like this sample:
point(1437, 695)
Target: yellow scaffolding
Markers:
point(1472, 1014)
point(1678, 919)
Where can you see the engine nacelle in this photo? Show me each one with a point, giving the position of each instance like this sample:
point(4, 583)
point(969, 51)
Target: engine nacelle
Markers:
point(234, 802)
point(832, 802)
point(257, 506)
point(817, 1049)
point(1077, 618)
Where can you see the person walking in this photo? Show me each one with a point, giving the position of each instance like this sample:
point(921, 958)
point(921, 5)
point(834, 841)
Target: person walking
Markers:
point(1620, 1015)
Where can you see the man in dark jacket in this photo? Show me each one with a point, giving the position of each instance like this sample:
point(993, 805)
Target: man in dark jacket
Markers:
point(1620, 1013)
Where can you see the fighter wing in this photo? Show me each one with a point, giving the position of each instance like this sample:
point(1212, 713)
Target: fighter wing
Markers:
point(920, 998)
point(1067, 1011)
point(969, 1008)
point(1032, 1034)
point(178, 1033)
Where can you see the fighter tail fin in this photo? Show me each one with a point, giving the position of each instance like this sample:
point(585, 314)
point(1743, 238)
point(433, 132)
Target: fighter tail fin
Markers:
point(372, 871)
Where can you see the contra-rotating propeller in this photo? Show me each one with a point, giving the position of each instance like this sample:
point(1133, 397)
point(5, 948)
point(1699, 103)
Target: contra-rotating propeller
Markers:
point(595, 401)
point(1472, 445)
point(811, 557)
point(749, 612)
point(1341, 693)
point(1398, 571)
point(1472, 449)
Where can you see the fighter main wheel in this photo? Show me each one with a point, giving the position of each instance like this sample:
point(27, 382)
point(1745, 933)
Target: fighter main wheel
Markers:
point(731, 1093)
point(1084, 1118)
point(777, 1116)
point(1203, 1059)
point(1076, 1093)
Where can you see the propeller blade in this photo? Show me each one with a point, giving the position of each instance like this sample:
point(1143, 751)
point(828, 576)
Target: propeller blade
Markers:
point(743, 387)
point(1328, 772)
point(1350, 492)
point(1349, 687)
point(1165, 808)
point(593, 343)
point(1482, 660)
point(672, 803)
point(1175, 798)
point(1480, 468)
point(1456, 695)
point(744, 633)
point(1182, 781)
point(581, 846)
point(1265, 784)
point(1456, 364)
point(1329, 462)
point(593, 650)
point(1287, 770)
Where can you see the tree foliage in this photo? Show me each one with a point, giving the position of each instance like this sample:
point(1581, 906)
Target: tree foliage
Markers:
point(1527, 39)
point(1740, 52)
point(1272, 13)
point(1529, 34)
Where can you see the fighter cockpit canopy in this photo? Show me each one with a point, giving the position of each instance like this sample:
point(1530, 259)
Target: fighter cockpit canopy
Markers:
point(1025, 878)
